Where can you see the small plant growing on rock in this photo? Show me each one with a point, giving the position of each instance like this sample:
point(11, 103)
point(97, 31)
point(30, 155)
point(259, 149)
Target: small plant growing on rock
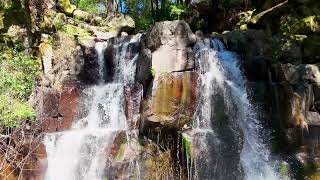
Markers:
point(176, 11)
point(153, 72)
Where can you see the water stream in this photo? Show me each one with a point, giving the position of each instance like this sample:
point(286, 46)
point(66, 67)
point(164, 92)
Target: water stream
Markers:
point(224, 116)
point(226, 133)
point(80, 153)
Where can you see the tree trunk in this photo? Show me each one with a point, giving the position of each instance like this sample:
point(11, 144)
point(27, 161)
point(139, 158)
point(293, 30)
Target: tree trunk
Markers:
point(157, 6)
point(110, 5)
point(120, 6)
point(163, 4)
point(152, 9)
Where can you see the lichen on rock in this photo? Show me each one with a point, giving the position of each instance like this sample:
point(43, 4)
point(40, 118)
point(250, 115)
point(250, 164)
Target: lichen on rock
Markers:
point(66, 7)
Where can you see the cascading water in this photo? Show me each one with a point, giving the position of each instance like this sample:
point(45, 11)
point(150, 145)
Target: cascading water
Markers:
point(81, 153)
point(225, 115)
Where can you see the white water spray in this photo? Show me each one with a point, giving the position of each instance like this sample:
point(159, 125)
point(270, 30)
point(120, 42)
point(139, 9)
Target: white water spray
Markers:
point(220, 73)
point(81, 153)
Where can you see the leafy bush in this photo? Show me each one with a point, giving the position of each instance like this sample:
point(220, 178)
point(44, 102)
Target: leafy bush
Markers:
point(141, 12)
point(177, 11)
point(93, 6)
point(17, 77)
point(14, 111)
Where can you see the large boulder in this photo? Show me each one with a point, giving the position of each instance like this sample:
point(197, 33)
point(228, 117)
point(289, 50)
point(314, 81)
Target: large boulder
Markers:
point(170, 43)
point(172, 33)
point(120, 23)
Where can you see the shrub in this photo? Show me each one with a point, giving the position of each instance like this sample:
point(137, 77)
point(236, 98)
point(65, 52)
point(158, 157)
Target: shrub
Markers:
point(177, 11)
point(18, 72)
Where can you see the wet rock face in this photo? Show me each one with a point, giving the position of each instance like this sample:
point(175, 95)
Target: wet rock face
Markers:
point(144, 68)
point(174, 99)
point(112, 51)
point(56, 110)
point(133, 96)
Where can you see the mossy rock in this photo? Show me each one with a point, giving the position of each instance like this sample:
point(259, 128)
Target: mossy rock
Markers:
point(73, 31)
point(120, 23)
point(59, 20)
point(47, 22)
point(15, 14)
point(121, 151)
point(82, 15)
point(66, 7)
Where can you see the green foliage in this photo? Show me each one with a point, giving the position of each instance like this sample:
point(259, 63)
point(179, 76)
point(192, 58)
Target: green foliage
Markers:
point(93, 6)
point(17, 77)
point(232, 3)
point(140, 11)
point(121, 152)
point(72, 31)
point(284, 169)
point(293, 25)
point(59, 20)
point(245, 18)
point(14, 111)
point(176, 11)
point(5, 4)
point(153, 72)
point(186, 143)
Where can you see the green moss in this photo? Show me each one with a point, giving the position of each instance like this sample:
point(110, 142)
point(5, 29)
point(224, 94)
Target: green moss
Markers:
point(67, 7)
point(284, 169)
point(153, 72)
point(1, 20)
point(59, 20)
point(120, 155)
point(309, 168)
point(72, 31)
point(186, 143)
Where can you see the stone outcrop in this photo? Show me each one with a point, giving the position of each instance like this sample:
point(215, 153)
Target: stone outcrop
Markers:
point(56, 109)
point(174, 98)
point(170, 43)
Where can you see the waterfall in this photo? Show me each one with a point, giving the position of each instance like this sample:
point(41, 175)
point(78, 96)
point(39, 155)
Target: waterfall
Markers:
point(81, 152)
point(226, 115)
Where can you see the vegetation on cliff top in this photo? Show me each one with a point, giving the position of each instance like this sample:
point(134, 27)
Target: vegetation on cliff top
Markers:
point(17, 78)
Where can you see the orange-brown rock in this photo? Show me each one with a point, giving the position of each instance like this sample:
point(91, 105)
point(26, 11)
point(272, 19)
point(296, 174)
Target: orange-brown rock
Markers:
point(174, 99)
point(56, 110)
point(7, 171)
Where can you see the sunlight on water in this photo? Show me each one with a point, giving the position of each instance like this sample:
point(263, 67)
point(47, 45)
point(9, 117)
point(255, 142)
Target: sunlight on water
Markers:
point(220, 73)
point(80, 153)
